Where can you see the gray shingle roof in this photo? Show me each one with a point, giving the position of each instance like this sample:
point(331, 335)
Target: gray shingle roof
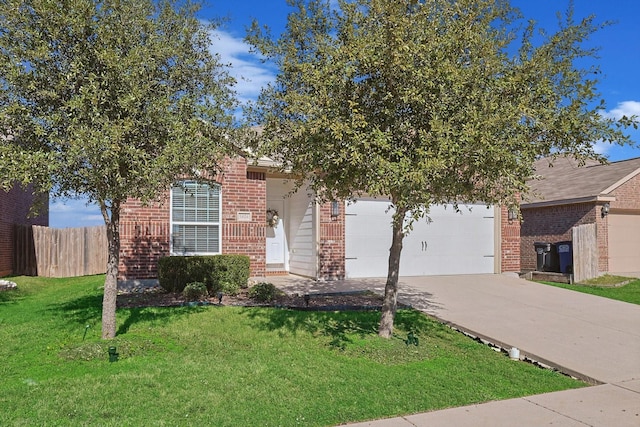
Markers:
point(566, 181)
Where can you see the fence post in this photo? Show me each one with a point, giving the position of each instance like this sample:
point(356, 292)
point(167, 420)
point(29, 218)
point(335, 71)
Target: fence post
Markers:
point(585, 252)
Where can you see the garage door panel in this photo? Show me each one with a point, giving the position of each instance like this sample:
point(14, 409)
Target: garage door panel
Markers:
point(373, 266)
point(452, 243)
point(442, 265)
point(624, 243)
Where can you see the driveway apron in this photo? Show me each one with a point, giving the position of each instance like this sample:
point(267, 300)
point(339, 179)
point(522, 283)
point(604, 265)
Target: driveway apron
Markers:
point(593, 338)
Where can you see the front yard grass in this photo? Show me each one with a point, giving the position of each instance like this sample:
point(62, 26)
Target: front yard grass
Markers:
point(606, 286)
point(230, 366)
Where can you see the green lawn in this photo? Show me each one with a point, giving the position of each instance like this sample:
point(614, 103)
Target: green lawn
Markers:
point(228, 366)
point(603, 287)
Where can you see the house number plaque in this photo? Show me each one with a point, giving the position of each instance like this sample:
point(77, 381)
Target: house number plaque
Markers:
point(243, 217)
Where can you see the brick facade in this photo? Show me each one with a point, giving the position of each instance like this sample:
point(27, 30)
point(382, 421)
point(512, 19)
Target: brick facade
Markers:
point(14, 209)
point(145, 230)
point(332, 243)
point(144, 237)
point(551, 224)
point(628, 196)
point(509, 243)
point(244, 191)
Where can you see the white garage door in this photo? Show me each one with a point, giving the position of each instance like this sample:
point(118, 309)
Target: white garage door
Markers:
point(624, 243)
point(452, 243)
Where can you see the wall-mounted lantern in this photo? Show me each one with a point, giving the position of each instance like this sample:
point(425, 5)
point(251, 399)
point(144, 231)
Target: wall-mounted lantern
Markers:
point(605, 209)
point(335, 209)
point(512, 214)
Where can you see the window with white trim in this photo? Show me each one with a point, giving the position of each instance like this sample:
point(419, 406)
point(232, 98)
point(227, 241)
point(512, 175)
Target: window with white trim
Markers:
point(195, 218)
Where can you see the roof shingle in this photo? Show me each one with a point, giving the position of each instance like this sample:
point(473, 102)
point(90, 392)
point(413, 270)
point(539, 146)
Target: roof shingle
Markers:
point(565, 180)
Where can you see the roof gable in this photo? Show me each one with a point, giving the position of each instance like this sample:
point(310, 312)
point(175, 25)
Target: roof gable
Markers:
point(565, 181)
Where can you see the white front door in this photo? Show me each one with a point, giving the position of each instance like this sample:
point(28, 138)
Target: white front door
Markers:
point(276, 237)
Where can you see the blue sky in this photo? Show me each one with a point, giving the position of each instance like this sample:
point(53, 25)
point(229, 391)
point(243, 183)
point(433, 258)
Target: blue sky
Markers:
point(619, 62)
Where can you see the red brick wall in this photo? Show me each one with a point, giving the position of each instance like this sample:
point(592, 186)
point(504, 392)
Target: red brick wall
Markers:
point(144, 237)
point(244, 191)
point(14, 209)
point(145, 231)
point(510, 242)
point(553, 224)
point(331, 244)
point(602, 236)
point(627, 195)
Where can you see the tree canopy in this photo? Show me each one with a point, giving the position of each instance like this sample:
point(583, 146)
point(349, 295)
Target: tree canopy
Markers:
point(109, 99)
point(426, 102)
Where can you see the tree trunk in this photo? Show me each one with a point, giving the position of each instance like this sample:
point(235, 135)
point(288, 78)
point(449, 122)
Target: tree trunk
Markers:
point(390, 303)
point(111, 281)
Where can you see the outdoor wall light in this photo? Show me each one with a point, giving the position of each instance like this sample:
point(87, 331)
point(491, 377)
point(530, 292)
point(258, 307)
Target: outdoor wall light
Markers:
point(605, 209)
point(512, 214)
point(335, 209)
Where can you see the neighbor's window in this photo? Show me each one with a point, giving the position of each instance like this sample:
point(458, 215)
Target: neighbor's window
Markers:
point(195, 218)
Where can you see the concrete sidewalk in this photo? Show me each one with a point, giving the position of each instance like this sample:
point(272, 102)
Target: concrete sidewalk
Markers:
point(593, 338)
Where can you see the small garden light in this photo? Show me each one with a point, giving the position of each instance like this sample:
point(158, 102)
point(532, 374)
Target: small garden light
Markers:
point(307, 297)
point(113, 355)
point(219, 295)
point(412, 339)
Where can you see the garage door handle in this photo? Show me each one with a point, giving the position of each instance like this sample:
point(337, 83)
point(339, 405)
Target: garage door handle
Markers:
point(350, 257)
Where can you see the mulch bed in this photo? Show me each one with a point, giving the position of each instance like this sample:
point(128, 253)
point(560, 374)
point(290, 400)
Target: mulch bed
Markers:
point(328, 301)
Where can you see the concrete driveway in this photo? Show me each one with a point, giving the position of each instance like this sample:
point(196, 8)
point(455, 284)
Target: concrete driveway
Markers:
point(596, 339)
point(588, 336)
point(592, 338)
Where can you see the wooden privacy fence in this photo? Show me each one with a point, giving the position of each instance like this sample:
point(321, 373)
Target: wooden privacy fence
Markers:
point(60, 252)
point(585, 252)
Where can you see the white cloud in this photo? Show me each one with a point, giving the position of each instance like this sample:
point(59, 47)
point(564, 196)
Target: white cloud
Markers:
point(625, 108)
point(246, 67)
point(602, 147)
point(74, 213)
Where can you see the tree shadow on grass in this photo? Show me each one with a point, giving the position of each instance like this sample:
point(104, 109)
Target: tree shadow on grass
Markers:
point(155, 315)
point(87, 310)
point(340, 326)
point(11, 296)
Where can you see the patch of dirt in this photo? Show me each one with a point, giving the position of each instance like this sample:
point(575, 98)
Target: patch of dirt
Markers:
point(329, 301)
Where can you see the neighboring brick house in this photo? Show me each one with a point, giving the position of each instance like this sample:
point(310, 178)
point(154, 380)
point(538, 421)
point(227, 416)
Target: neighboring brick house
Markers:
point(14, 211)
point(309, 239)
point(568, 195)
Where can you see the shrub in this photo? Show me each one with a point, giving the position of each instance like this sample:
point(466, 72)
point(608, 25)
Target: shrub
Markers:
point(229, 273)
point(195, 291)
point(264, 292)
point(171, 272)
point(214, 271)
point(229, 288)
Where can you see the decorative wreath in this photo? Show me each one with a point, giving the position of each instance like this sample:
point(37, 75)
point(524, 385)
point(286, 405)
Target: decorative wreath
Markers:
point(272, 217)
